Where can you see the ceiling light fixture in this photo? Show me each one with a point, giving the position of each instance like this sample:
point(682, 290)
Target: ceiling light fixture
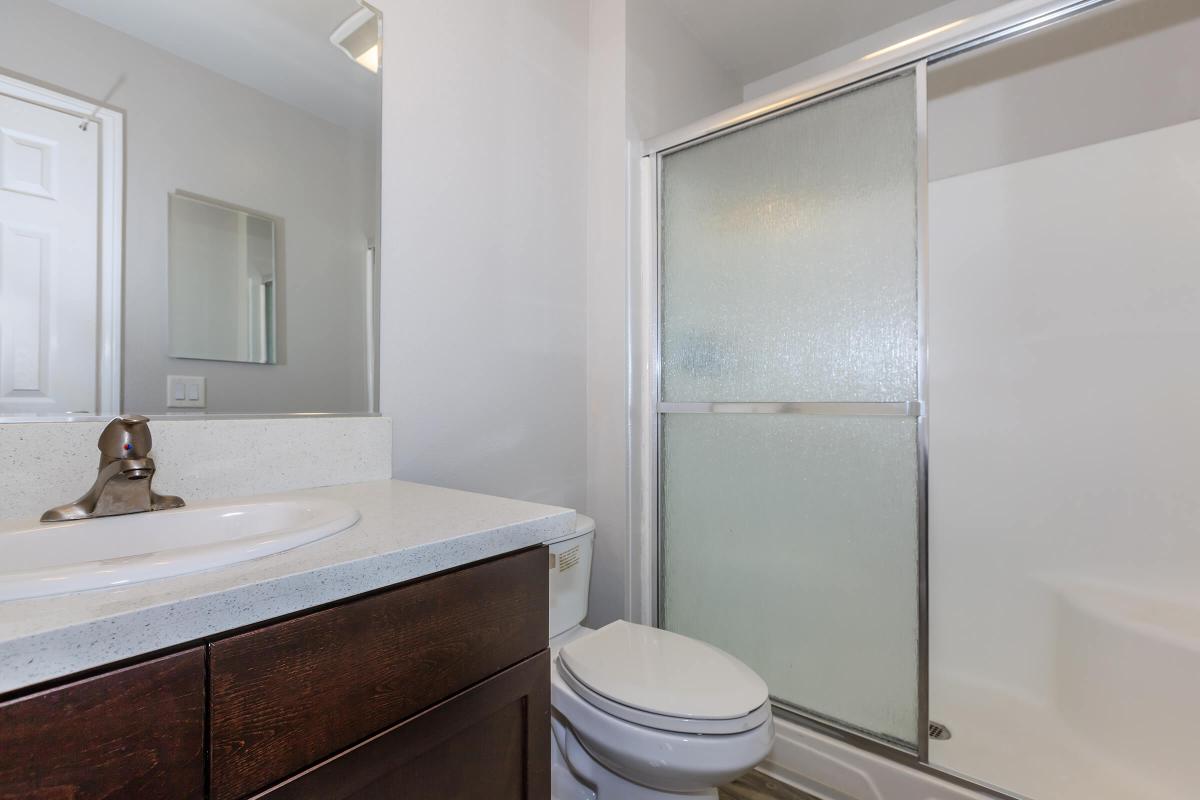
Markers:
point(361, 37)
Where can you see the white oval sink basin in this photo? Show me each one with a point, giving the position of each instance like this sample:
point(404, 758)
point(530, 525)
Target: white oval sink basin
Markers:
point(39, 559)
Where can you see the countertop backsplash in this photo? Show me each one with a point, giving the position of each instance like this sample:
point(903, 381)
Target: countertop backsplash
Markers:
point(44, 464)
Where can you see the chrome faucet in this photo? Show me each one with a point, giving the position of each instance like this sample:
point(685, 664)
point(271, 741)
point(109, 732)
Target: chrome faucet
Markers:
point(123, 484)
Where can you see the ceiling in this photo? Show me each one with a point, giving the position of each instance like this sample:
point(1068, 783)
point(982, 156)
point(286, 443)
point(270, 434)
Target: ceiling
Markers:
point(752, 39)
point(280, 47)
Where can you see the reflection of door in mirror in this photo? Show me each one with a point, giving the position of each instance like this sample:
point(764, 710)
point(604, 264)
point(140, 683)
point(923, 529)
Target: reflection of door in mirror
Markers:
point(49, 206)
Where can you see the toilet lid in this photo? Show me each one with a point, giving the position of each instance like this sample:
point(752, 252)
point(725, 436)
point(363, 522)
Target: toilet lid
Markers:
point(663, 673)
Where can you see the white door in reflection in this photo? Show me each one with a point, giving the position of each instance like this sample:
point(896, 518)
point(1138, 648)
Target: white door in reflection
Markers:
point(49, 190)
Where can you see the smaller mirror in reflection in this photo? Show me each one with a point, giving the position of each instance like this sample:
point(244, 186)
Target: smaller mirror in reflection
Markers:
point(222, 282)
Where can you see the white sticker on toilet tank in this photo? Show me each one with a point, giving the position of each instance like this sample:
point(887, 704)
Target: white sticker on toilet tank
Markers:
point(568, 558)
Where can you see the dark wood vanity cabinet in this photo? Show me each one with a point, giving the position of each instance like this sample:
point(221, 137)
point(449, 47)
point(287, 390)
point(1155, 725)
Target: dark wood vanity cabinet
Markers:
point(134, 732)
point(490, 742)
point(438, 688)
point(287, 695)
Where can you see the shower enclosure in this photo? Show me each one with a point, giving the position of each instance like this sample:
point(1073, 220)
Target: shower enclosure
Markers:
point(922, 371)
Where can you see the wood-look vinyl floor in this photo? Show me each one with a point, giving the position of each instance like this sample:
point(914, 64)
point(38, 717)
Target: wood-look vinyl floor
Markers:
point(757, 786)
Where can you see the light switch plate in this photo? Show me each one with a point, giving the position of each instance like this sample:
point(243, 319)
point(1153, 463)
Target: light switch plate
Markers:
point(186, 391)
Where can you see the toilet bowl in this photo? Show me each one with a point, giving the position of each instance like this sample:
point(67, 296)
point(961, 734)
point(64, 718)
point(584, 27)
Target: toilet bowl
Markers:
point(640, 713)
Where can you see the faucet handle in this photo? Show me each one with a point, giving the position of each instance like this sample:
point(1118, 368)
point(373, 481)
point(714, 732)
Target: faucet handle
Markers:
point(127, 436)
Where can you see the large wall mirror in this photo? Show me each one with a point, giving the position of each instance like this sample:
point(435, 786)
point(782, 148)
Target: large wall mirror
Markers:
point(189, 206)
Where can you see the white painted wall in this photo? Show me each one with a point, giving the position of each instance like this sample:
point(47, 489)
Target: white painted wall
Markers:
point(507, 138)
point(483, 295)
point(190, 129)
point(671, 79)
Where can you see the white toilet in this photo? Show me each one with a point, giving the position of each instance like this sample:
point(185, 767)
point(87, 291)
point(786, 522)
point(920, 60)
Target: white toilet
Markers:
point(640, 713)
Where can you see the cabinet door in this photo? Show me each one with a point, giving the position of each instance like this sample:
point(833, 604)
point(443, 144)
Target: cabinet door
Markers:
point(134, 732)
point(491, 742)
point(287, 696)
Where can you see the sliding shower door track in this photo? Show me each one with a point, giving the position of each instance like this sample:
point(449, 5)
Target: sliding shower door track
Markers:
point(902, 754)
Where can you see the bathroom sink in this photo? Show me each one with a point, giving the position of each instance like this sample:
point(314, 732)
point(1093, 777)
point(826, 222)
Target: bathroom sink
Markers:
point(39, 559)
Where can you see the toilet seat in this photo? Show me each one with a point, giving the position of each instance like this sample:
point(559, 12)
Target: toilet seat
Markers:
point(663, 680)
point(662, 722)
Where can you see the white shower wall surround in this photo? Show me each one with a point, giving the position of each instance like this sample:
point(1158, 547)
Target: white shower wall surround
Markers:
point(43, 464)
point(1065, 620)
point(1088, 665)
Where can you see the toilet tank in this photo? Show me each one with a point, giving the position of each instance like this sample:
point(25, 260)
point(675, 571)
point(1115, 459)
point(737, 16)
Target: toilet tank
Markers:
point(570, 574)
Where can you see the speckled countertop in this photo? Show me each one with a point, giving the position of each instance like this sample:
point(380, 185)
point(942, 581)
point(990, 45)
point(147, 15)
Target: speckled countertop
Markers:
point(407, 530)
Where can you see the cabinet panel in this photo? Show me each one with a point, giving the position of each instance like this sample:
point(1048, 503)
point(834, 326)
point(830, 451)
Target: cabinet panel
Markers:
point(491, 742)
point(134, 732)
point(288, 695)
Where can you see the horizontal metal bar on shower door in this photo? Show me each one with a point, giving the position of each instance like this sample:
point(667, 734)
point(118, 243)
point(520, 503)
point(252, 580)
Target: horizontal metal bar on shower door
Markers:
point(907, 408)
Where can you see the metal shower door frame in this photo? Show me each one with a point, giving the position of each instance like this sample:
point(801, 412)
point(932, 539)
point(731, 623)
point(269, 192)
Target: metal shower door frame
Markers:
point(913, 408)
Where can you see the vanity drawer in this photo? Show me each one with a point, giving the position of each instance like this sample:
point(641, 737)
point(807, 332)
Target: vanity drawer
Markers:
point(134, 732)
point(490, 742)
point(287, 695)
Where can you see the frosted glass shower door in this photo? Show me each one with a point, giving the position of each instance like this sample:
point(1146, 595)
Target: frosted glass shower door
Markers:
point(789, 456)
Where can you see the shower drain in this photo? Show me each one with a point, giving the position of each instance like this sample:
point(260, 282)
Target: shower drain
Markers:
point(938, 731)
